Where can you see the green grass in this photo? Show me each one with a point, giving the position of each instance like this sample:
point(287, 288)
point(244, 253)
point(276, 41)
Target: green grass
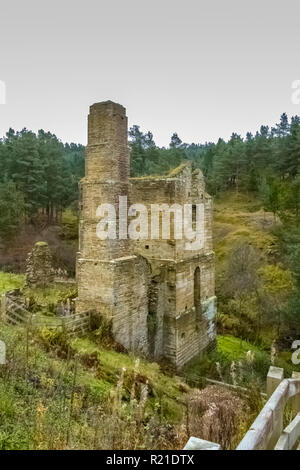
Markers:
point(41, 299)
point(41, 295)
point(249, 371)
point(162, 386)
point(9, 281)
point(49, 296)
point(235, 349)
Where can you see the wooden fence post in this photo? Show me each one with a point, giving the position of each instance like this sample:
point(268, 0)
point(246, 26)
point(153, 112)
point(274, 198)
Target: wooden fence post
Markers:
point(274, 377)
point(3, 306)
point(296, 399)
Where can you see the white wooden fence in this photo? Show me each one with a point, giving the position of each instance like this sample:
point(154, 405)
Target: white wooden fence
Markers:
point(267, 431)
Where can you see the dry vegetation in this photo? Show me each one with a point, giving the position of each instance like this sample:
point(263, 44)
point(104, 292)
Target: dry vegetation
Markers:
point(253, 284)
point(61, 236)
point(62, 394)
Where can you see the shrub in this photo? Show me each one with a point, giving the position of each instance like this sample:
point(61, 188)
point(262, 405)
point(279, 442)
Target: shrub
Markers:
point(215, 414)
point(69, 225)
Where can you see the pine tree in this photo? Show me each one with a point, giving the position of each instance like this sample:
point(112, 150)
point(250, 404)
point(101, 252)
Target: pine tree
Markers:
point(11, 210)
point(27, 171)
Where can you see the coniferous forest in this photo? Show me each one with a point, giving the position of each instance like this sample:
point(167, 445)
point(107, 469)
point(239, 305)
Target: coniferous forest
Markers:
point(40, 174)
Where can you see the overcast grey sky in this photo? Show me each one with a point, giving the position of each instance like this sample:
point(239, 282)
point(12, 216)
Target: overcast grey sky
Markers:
point(200, 68)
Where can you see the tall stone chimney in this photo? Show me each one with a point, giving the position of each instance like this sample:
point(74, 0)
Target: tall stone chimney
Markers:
point(106, 177)
point(111, 280)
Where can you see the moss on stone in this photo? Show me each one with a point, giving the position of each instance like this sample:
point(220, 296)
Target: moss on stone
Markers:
point(172, 174)
point(176, 171)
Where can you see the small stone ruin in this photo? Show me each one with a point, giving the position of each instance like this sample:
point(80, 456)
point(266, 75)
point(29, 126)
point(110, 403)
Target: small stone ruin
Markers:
point(39, 270)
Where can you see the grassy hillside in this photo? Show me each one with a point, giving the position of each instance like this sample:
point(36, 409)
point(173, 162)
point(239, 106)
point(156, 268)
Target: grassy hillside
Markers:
point(56, 393)
point(254, 287)
point(72, 385)
point(240, 218)
point(254, 283)
point(85, 393)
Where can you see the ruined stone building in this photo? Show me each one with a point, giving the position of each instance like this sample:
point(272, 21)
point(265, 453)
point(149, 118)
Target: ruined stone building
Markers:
point(158, 296)
point(39, 270)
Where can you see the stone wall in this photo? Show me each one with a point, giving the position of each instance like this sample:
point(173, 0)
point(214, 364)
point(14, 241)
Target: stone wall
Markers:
point(183, 187)
point(181, 331)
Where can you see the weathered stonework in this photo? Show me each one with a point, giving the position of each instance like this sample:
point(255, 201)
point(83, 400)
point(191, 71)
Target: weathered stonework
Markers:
point(158, 295)
point(39, 270)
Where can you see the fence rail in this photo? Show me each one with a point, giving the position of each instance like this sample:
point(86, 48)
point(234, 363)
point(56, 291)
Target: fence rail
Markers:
point(13, 312)
point(266, 430)
point(76, 324)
